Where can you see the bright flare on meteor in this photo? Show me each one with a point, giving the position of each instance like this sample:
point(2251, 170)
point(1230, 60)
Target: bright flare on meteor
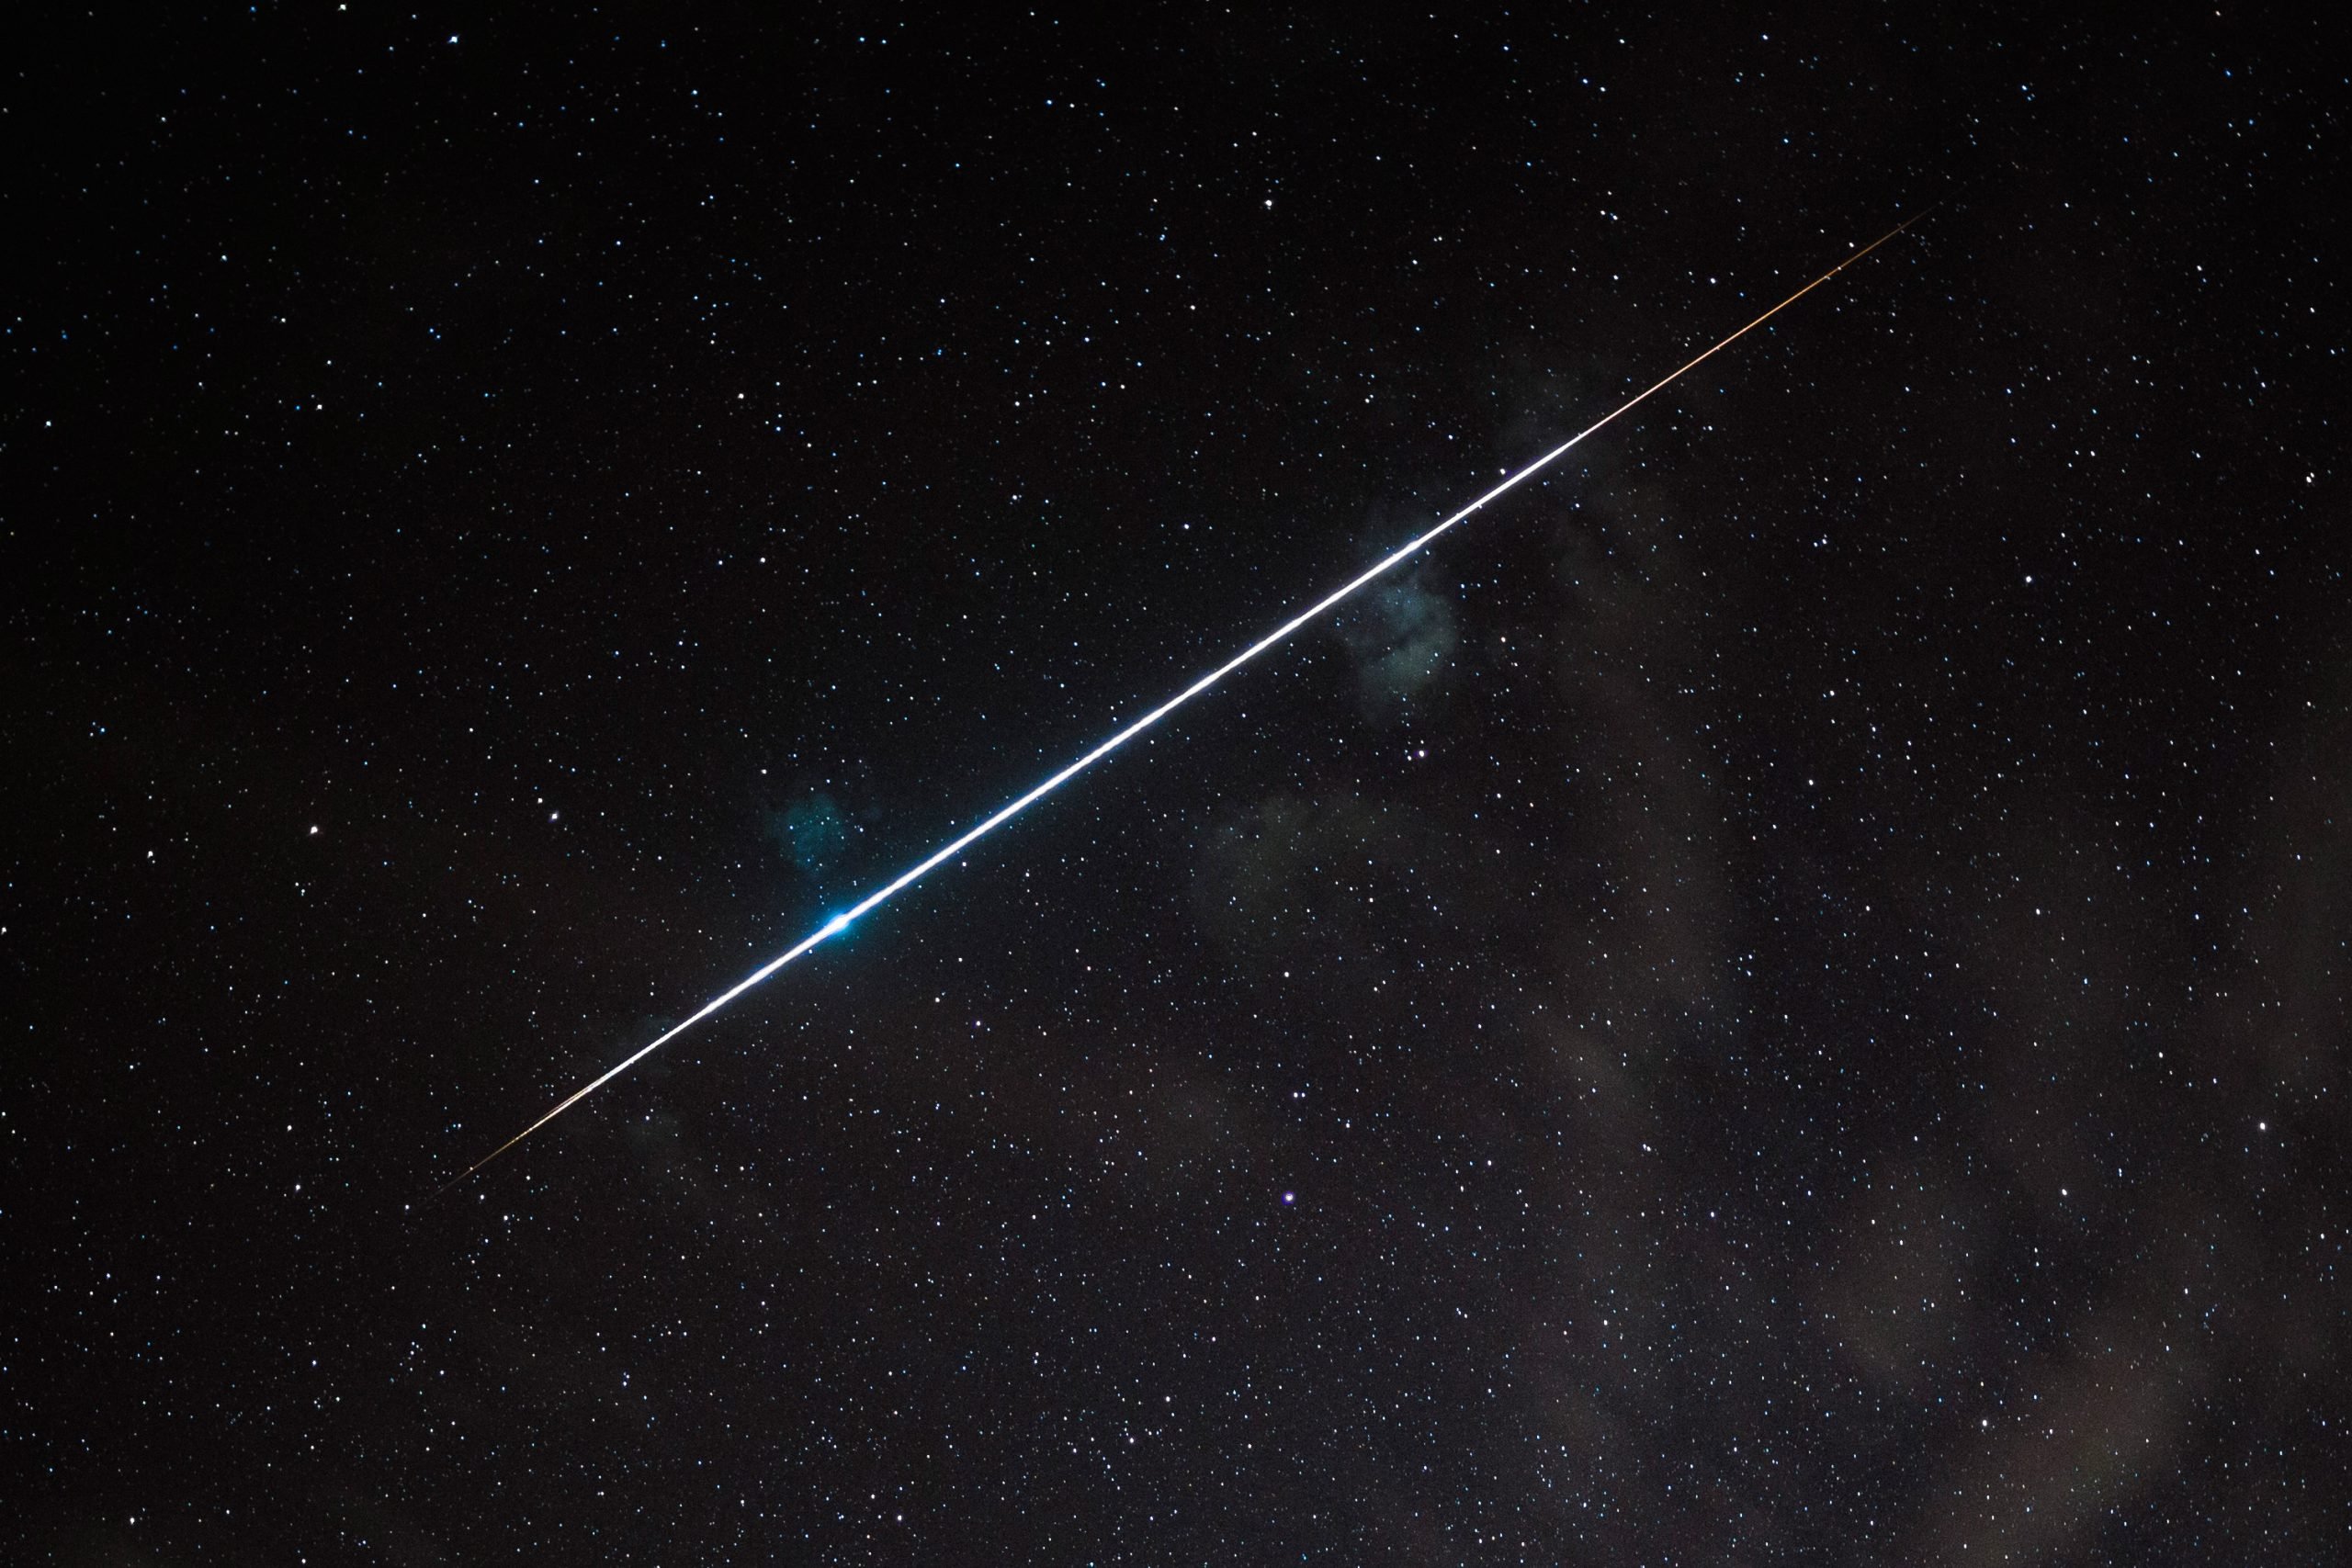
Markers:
point(970, 836)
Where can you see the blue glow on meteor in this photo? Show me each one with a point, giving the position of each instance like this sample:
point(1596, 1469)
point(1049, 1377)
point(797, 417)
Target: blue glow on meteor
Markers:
point(970, 836)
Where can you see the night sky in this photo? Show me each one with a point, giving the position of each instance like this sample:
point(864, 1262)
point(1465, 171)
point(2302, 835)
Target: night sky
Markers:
point(1780, 996)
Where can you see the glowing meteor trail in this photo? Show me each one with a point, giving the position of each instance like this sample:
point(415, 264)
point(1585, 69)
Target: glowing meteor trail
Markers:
point(971, 836)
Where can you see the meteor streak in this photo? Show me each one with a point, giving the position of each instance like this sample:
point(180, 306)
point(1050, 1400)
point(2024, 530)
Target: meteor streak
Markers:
point(970, 836)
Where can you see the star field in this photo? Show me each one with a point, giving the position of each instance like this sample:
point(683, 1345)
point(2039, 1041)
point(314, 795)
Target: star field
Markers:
point(1779, 996)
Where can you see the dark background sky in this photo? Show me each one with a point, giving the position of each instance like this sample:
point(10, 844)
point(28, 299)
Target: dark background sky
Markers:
point(1779, 998)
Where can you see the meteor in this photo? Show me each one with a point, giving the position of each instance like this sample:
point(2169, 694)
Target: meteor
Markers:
point(970, 836)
